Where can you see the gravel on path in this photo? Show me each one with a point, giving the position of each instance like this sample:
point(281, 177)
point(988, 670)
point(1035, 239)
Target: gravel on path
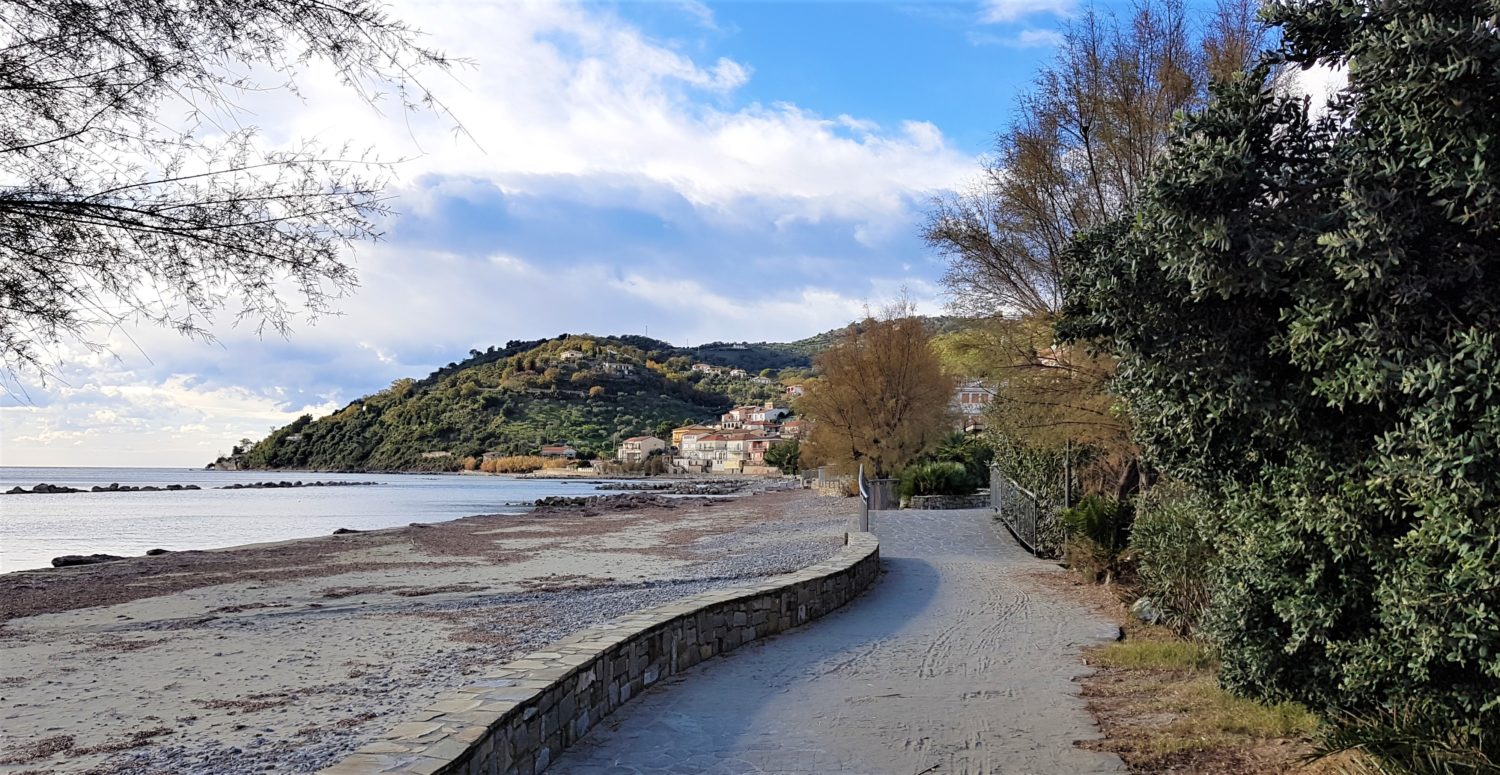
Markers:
point(957, 661)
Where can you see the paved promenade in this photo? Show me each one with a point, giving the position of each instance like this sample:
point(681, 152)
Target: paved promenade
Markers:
point(954, 662)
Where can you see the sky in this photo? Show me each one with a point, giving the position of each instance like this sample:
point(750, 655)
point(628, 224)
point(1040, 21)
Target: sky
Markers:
point(742, 171)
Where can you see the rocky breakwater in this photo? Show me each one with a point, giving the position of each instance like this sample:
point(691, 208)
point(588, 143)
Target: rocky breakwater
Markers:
point(712, 487)
point(57, 489)
point(42, 489)
point(281, 485)
point(591, 504)
point(114, 487)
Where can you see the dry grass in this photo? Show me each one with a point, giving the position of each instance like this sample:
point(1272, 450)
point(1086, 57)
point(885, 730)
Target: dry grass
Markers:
point(1157, 700)
point(1161, 709)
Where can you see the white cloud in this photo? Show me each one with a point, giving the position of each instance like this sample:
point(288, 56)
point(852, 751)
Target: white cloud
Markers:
point(1005, 11)
point(573, 107)
point(1029, 38)
point(569, 91)
point(124, 419)
point(123, 412)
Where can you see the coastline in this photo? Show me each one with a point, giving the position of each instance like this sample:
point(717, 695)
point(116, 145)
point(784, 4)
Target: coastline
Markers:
point(224, 511)
point(292, 653)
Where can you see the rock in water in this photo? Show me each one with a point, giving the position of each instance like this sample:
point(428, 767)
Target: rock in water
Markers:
point(83, 559)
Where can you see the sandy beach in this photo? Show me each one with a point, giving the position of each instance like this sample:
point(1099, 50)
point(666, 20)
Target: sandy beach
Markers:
point(282, 657)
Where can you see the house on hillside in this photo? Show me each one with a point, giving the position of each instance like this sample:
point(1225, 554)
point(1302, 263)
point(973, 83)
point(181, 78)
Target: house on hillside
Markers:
point(570, 355)
point(559, 450)
point(616, 369)
point(760, 380)
point(755, 449)
point(696, 450)
point(740, 450)
point(738, 373)
point(737, 417)
point(971, 397)
point(707, 368)
point(696, 428)
point(769, 414)
point(638, 448)
point(794, 429)
point(794, 391)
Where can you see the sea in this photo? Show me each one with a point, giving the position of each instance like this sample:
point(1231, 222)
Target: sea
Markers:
point(36, 528)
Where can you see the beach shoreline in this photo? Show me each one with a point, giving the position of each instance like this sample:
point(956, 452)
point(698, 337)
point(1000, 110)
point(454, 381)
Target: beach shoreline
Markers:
point(284, 656)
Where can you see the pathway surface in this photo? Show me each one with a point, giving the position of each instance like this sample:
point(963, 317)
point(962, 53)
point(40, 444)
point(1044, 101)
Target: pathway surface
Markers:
point(954, 662)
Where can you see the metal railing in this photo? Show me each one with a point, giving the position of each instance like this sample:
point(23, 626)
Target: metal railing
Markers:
point(874, 495)
point(1021, 511)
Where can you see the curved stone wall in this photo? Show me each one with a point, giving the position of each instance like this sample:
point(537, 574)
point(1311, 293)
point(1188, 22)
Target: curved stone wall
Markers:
point(517, 718)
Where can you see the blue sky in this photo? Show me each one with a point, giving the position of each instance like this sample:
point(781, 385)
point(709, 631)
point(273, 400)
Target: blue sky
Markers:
point(739, 171)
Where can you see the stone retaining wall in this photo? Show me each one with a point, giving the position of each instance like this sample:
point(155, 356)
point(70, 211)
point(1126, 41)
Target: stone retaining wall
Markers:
point(517, 718)
point(975, 501)
point(838, 488)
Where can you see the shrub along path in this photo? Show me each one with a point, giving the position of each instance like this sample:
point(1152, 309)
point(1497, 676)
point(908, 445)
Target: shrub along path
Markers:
point(957, 661)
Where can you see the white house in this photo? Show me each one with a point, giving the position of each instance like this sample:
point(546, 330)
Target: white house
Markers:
point(769, 414)
point(638, 448)
point(971, 397)
point(696, 451)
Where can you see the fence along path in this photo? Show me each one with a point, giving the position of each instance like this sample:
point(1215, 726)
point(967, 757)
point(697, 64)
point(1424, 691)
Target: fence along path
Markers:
point(957, 661)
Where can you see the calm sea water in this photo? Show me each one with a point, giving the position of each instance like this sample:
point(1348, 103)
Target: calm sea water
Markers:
point(36, 528)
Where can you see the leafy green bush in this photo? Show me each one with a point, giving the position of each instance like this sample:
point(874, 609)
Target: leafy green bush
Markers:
point(940, 478)
point(1172, 541)
point(972, 452)
point(1305, 307)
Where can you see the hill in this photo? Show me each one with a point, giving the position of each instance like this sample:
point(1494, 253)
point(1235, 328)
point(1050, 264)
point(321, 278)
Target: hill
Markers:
point(584, 390)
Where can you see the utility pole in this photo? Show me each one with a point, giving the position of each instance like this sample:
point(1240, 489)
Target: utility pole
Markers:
point(1068, 474)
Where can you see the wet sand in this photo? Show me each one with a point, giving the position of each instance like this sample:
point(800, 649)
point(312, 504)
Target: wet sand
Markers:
point(282, 657)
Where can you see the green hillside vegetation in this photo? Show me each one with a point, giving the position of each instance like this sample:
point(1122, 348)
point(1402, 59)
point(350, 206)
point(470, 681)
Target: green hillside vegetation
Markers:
point(588, 391)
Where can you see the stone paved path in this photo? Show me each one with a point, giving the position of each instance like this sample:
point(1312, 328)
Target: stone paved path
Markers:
point(954, 662)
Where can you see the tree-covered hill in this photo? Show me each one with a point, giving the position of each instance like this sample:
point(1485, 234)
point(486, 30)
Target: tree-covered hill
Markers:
point(588, 391)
